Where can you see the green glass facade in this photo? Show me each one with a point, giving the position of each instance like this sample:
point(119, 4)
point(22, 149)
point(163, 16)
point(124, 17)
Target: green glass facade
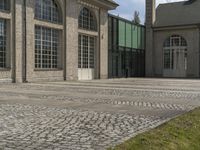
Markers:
point(126, 48)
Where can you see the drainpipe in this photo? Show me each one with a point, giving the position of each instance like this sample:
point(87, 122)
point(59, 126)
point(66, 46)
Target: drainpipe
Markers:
point(199, 51)
point(24, 65)
point(65, 46)
point(13, 43)
point(99, 41)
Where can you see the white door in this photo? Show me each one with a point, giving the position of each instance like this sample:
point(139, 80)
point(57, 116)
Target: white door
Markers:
point(86, 57)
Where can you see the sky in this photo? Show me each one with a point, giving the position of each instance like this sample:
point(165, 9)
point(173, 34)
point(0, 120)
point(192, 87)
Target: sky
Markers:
point(127, 8)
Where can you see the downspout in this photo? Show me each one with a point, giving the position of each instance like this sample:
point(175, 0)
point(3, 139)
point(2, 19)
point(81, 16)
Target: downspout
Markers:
point(25, 44)
point(13, 21)
point(65, 46)
point(199, 51)
point(144, 73)
point(99, 53)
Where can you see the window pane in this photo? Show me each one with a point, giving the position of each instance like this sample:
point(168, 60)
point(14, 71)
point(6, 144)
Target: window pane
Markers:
point(87, 20)
point(46, 47)
point(86, 51)
point(167, 59)
point(47, 10)
point(172, 47)
point(2, 43)
point(4, 5)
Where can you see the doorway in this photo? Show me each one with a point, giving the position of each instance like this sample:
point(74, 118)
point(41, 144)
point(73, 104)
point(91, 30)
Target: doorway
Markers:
point(86, 60)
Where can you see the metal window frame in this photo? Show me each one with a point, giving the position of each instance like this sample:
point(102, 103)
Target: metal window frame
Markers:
point(48, 62)
point(3, 51)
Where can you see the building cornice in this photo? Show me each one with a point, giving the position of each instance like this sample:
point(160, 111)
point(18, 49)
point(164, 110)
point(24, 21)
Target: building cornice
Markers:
point(106, 4)
point(176, 27)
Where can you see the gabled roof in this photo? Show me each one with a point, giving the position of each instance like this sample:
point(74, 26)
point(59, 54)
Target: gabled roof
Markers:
point(178, 13)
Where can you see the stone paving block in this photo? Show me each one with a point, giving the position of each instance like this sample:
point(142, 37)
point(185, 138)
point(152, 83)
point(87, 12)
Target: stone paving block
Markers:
point(88, 115)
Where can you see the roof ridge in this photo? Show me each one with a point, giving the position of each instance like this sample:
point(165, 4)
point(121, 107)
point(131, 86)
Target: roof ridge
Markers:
point(173, 3)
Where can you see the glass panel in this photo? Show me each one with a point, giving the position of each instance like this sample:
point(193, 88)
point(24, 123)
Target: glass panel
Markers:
point(86, 51)
point(126, 58)
point(2, 43)
point(92, 49)
point(139, 38)
point(47, 10)
point(128, 35)
point(167, 59)
point(122, 33)
point(4, 4)
point(172, 48)
point(87, 20)
point(134, 37)
point(46, 47)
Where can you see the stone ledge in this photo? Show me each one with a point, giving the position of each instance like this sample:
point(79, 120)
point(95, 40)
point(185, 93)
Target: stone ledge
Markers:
point(6, 80)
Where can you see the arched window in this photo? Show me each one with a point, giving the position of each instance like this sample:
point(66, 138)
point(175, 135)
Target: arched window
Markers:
point(4, 4)
point(48, 10)
point(175, 53)
point(87, 20)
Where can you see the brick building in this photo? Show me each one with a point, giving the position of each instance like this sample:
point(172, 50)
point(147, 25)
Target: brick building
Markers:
point(54, 39)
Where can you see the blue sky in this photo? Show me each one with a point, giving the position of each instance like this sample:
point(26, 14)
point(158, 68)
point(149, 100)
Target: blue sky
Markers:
point(127, 8)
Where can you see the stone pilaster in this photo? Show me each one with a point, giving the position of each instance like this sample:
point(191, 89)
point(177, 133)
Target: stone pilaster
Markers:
point(19, 46)
point(150, 19)
point(103, 44)
point(72, 40)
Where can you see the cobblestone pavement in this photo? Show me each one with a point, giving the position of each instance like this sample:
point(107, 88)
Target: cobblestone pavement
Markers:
point(89, 114)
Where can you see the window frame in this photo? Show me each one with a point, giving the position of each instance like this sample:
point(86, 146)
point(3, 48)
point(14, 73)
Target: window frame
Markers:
point(4, 51)
point(54, 54)
point(171, 44)
point(86, 51)
point(6, 6)
point(91, 17)
point(39, 14)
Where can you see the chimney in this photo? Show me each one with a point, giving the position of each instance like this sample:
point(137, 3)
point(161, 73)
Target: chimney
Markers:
point(150, 19)
point(150, 12)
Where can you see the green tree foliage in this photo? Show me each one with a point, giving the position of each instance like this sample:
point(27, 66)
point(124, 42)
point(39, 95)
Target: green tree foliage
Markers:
point(136, 17)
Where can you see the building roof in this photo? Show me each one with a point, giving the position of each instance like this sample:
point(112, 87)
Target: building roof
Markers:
point(111, 1)
point(108, 4)
point(178, 13)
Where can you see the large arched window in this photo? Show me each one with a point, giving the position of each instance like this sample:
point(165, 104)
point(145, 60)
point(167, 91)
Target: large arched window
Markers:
point(175, 53)
point(48, 10)
point(87, 20)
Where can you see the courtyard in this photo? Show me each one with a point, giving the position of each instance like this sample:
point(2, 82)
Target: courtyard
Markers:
point(90, 115)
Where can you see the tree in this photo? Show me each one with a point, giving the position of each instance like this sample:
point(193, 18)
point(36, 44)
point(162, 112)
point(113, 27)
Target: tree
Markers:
point(136, 17)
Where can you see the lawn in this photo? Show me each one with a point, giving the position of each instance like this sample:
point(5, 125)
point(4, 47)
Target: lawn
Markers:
point(182, 133)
